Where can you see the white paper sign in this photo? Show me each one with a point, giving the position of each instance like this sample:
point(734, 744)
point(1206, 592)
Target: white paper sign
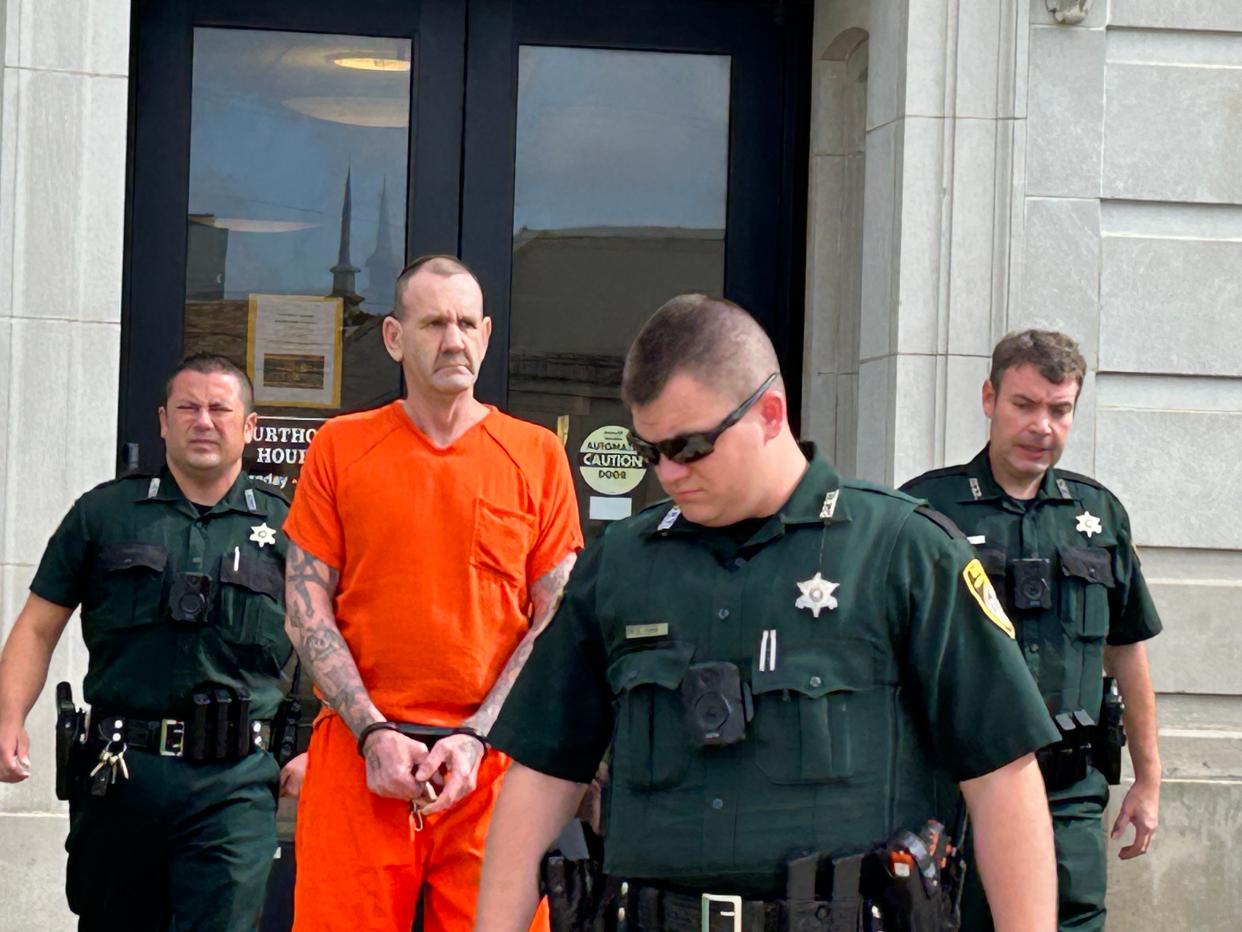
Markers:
point(293, 350)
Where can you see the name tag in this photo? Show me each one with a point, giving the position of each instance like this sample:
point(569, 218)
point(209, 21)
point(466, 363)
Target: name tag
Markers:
point(646, 631)
point(977, 539)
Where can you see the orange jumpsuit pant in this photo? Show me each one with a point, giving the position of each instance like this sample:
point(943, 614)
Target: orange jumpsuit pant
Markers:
point(361, 866)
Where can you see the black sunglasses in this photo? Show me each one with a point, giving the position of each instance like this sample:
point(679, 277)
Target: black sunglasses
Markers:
point(689, 448)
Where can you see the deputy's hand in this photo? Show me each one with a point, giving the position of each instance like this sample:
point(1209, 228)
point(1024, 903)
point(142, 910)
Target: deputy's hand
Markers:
point(392, 759)
point(14, 754)
point(291, 777)
point(459, 756)
point(1140, 808)
point(590, 810)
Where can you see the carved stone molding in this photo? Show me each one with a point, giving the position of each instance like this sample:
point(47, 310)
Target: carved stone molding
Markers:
point(1069, 12)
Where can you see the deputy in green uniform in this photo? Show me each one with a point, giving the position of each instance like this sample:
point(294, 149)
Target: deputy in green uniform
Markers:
point(1059, 547)
point(784, 664)
point(179, 575)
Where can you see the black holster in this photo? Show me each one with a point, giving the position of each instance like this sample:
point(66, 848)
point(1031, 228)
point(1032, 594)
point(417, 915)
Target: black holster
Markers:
point(573, 887)
point(70, 735)
point(914, 881)
point(1111, 736)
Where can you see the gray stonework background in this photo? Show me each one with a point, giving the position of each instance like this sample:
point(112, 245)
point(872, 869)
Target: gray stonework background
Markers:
point(62, 191)
point(1022, 173)
point(974, 168)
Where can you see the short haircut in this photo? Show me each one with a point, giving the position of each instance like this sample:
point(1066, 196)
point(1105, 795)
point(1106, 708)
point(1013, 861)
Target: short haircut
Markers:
point(1054, 354)
point(207, 363)
point(436, 264)
point(711, 339)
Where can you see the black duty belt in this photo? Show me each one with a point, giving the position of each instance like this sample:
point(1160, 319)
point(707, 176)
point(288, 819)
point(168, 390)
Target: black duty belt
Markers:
point(654, 909)
point(171, 737)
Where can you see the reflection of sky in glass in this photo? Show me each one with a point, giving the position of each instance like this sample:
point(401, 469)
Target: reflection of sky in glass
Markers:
point(255, 158)
point(613, 138)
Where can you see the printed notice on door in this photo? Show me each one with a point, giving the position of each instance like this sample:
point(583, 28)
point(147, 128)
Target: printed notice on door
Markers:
point(293, 350)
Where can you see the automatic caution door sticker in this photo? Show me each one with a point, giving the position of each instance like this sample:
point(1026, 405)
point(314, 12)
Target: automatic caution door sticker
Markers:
point(608, 463)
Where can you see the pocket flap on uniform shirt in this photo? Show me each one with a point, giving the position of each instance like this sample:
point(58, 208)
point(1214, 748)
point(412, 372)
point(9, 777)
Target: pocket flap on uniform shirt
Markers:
point(133, 555)
point(258, 574)
point(994, 561)
point(502, 539)
point(664, 665)
point(1091, 564)
point(847, 665)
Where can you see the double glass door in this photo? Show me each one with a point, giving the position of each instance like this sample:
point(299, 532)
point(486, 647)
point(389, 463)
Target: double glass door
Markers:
point(588, 159)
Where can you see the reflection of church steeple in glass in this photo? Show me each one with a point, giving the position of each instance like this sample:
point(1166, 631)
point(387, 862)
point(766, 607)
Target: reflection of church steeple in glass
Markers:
point(343, 272)
point(383, 267)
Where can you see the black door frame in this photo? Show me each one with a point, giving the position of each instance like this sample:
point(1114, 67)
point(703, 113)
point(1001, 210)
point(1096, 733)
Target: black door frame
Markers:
point(158, 164)
point(462, 143)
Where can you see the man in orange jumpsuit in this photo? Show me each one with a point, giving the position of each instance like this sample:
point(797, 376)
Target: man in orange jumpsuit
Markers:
point(428, 542)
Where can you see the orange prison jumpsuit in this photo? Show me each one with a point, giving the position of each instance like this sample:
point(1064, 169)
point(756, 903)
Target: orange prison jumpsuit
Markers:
point(437, 549)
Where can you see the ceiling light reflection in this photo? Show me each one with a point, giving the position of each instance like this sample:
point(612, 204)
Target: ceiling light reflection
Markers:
point(362, 63)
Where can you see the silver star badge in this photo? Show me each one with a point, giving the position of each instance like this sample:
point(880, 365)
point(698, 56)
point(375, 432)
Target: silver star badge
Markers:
point(817, 594)
point(262, 535)
point(1089, 524)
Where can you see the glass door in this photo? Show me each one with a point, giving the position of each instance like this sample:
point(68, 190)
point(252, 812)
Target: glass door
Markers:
point(276, 201)
point(589, 160)
point(645, 157)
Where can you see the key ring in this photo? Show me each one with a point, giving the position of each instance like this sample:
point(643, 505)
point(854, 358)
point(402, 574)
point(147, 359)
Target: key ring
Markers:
point(416, 813)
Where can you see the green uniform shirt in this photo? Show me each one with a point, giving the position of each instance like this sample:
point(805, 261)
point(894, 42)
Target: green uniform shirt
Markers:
point(118, 553)
point(875, 685)
point(1097, 591)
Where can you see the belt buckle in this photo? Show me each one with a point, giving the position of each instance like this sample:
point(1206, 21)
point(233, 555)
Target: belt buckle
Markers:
point(724, 899)
point(172, 737)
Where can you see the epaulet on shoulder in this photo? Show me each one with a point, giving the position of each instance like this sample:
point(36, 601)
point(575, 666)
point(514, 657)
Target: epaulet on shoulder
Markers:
point(941, 473)
point(942, 521)
point(862, 485)
point(268, 489)
point(1082, 480)
point(139, 475)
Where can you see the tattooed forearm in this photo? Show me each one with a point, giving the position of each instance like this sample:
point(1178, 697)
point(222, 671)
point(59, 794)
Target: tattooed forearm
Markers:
point(309, 587)
point(545, 596)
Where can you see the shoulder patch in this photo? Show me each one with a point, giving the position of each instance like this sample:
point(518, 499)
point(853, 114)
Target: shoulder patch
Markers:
point(943, 472)
point(980, 587)
point(942, 521)
point(268, 489)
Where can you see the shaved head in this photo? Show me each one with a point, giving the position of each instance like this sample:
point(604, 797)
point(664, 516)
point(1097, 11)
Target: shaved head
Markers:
point(443, 266)
point(713, 340)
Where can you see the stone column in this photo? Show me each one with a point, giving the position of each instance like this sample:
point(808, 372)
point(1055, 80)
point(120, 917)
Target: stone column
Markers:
point(62, 186)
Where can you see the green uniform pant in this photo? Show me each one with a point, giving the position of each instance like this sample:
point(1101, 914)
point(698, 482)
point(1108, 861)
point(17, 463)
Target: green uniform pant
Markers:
point(178, 846)
point(1081, 845)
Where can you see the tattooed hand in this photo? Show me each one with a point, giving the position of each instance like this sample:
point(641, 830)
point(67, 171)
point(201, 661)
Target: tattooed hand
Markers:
point(392, 759)
point(459, 756)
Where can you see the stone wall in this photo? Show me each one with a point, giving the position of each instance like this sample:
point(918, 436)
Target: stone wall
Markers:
point(62, 189)
point(1020, 172)
point(1133, 243)
point(903, 297)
